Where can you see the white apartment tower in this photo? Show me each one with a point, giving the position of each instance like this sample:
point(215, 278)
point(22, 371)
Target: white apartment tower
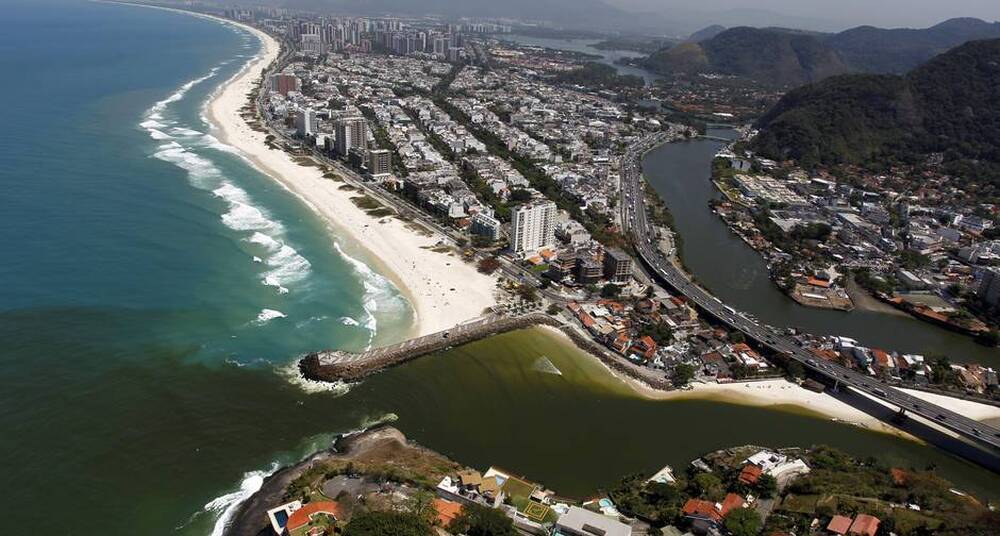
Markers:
point(351, 134)
point(305, 123)
point(533, 226)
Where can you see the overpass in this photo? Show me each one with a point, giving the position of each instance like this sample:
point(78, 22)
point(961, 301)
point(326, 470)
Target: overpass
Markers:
point(634, 222)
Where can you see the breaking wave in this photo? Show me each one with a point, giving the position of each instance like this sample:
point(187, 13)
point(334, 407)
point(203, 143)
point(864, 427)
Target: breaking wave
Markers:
point(380, 294)
point(267, 315)
point(226, 505)
point(293, 375)
point(284, 265)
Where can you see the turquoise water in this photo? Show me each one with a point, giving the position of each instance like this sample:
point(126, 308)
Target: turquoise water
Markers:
point(141, 390)
point(150, 276)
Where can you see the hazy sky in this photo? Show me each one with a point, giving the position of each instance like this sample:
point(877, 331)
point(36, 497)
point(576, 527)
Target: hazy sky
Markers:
point(843, 13)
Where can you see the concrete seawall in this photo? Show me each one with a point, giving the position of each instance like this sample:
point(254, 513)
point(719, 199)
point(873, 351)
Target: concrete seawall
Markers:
point(335, 365)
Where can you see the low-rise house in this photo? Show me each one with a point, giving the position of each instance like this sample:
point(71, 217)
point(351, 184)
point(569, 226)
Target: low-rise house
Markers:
point(580, 522)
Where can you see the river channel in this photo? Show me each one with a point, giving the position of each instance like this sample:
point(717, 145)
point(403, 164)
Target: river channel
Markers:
point(738, 275)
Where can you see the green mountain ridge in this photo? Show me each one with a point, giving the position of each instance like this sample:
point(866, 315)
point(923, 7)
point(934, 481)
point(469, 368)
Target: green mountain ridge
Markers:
point(950, 105)
point(786, 57)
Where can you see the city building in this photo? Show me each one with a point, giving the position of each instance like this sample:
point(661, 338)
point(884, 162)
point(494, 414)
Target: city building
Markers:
point(617, 266)
point(589, 271)
point(285, 83)
point(580, 522)
point(352, 133)
point(305, 123)
point(989, 286)
point(533, 227)
point(563, 265)
point(379, 162)
point(485, 225)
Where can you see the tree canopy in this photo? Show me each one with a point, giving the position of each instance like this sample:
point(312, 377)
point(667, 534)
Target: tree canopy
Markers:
point(387, 524)
point(476, 520)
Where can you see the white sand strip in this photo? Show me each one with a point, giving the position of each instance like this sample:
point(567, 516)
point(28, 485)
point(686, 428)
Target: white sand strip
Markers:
point(442, 289)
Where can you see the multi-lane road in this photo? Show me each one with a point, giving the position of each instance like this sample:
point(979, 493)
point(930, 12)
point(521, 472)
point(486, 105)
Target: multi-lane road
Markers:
point(635, 222)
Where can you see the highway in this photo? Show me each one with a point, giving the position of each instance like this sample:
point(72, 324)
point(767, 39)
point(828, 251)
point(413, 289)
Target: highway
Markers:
point(634, 222)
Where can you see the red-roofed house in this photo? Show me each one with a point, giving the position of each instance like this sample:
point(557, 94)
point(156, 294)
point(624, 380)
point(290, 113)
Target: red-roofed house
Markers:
point(839, 525)
point(298, 522)
point(822, 283)
point(645, 346)
point(620, 343)
point(750, 474)
point(712, 512)
point(864, 525)
point(882, 359)
point(731, 502)
point(447, 511)
point(699, 509)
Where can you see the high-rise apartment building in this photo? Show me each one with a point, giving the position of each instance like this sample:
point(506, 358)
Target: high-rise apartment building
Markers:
point(285, 83)
point(352, 133)
point(379, 162)
point(305, 123)
point(533, 226)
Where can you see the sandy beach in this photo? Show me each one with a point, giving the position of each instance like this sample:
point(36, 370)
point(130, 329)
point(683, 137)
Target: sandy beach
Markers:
point(783, 395)
point(442, 289)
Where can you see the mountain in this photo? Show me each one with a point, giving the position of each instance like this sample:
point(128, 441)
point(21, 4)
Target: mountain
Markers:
point(789, 57)
point(706, 33)
point(776, 56)
point(950, 105)
point(877, 50)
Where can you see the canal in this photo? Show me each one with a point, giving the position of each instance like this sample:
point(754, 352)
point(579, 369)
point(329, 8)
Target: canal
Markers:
point(738, 275)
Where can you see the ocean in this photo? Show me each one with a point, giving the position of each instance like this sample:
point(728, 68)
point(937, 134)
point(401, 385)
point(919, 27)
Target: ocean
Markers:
point(152, 279)
point(157, 292)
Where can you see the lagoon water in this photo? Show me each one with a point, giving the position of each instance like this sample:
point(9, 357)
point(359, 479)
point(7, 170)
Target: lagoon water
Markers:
point(156, 290)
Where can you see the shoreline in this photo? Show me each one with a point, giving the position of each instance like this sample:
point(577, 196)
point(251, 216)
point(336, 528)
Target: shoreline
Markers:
point(783, 395)
point(442, 289)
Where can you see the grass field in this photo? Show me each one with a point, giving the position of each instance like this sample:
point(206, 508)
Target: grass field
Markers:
point(516, 487)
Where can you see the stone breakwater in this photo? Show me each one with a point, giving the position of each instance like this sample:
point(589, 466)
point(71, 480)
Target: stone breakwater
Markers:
point(336, 365)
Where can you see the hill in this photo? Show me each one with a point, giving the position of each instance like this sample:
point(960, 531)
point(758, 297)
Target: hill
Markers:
point(775, 56)
point(786, 57)
point(707, 32)
point(877, 50)
point(949, 105)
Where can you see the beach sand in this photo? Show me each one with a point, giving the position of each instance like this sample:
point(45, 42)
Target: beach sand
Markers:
point(442, 289)
point(783, 395)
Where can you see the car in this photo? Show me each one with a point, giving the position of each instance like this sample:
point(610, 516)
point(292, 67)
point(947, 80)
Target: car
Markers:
point(941, 418)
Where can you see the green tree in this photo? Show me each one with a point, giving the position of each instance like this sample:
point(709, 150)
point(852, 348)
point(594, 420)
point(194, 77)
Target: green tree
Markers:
point(708, 486)
point(477, 520)
point(421, 504)
point(766, 486)
point(611, 291)
point(387, 524)
point(796, 370)
point(743, 522)
point(683, 374)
